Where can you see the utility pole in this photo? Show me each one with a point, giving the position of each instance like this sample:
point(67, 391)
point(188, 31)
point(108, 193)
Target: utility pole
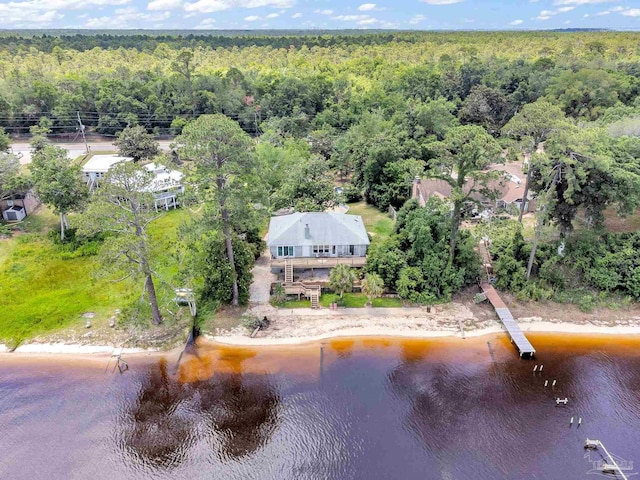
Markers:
point(81, 129)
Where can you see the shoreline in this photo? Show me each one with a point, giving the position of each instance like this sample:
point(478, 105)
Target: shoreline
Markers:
point(235, 339)
point(533, 327)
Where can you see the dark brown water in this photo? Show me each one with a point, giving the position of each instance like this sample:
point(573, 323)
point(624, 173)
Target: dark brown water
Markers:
point(374, 409)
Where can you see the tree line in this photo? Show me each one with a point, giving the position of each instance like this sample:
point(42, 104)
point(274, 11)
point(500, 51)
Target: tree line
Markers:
point(266, 128)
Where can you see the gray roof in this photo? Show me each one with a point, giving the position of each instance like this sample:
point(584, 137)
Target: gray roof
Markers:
point(324, 229)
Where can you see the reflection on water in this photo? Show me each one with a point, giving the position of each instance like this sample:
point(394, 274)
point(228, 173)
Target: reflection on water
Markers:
point(380, 408)
point(234, 413)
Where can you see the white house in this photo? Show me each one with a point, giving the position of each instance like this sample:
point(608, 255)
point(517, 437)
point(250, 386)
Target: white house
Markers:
point(326, 238)
point(98, 166)
point(166, 185)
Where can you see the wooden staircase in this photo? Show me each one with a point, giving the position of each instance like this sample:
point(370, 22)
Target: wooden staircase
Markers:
point(314, 295)
point(288, 272)
point(312, 292)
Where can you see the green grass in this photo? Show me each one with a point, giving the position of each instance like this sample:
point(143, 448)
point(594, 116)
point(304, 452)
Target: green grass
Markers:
point(295, 304)
point(43, 292)
point(379, 224)
point(351, 300)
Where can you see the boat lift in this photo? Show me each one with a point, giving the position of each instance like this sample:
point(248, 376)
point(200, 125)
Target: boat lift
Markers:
point(610, 466)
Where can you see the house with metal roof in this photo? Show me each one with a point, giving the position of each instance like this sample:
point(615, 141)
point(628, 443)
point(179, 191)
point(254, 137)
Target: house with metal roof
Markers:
point(317, 240)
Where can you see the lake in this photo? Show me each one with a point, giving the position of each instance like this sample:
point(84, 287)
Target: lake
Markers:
point(363, 408)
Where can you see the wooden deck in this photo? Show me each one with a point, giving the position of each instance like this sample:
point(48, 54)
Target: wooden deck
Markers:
point(326, 262)
point(517, 337)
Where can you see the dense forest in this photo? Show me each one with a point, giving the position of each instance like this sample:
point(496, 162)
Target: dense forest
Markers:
point(306, 83)
point(369, 111)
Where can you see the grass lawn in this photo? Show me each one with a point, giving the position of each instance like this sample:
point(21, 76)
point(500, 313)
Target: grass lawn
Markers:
point(43, 291)
point(379, 224)
point(351, 300)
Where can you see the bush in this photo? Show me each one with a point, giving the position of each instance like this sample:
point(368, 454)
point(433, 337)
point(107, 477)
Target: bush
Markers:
point(352, 193)
point(279, 296)
point(75, 246)
point(587, 303)
point(251, 323)
point(5, 230)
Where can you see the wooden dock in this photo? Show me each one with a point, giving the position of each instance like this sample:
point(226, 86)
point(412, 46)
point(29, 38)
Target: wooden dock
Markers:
point(517, 337)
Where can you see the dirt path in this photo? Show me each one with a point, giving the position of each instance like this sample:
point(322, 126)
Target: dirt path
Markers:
point(259, 291)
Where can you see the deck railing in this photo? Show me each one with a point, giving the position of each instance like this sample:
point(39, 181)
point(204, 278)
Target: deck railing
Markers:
point(322, 262)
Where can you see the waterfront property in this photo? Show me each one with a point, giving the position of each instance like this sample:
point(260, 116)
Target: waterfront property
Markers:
point(317, 240)
point(509, 188)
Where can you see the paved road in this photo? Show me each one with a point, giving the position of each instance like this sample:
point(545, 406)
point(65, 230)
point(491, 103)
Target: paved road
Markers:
point(75, 149)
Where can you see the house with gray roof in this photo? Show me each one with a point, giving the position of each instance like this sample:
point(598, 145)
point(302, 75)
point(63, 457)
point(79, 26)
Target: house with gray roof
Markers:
point(317, 240)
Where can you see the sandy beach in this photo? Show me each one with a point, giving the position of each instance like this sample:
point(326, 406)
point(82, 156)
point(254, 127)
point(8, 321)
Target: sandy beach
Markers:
point(292, 328)
point(455, 319)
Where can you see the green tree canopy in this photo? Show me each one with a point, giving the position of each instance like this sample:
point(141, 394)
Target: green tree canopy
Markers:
point(58, 183)
point(224, 158)
point(135, 142)
point(462, 159)
point(123, 208)
point(341, 278)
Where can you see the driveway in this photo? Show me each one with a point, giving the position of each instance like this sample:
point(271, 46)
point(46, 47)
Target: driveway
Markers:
point(259, 291)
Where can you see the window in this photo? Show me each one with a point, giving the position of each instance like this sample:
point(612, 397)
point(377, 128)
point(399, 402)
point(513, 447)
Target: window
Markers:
point(287, 251)
point(321, 249)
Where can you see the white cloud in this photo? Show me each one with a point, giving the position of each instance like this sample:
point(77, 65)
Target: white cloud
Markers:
point(251, 18)
point(40, 13)
point(441, 2)
point(273, 15)
point(351, 18)
point(547, 14)
point(365, 7)
point(416, 19)
point(580, 2)
point(617, 9)
point(296, 15)
point(128, 17)
point(601, 14)
point(323, 12)
point(205, 24)
point(516, 22)
point(209, 6)
point(632, 12)
point(164, 4)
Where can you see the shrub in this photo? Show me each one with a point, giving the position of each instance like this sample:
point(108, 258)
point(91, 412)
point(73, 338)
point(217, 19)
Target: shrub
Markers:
point(352, 193)
point(587, 303)
point(279, 296)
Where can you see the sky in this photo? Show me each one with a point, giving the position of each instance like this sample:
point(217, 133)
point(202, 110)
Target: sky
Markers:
point(321, 14)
